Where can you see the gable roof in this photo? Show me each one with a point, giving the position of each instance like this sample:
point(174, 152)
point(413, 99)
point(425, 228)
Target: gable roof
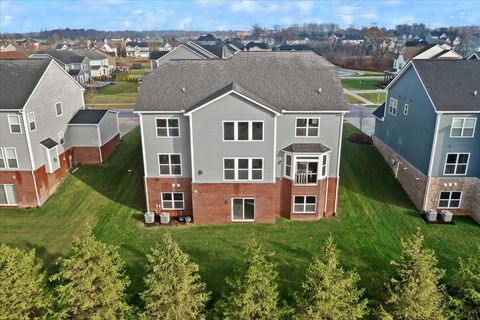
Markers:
point(451, 83)
point(88, 116)
point(214, 49)
point(287, 81)
point(379, 113)
point(17, 81)
point(65, 57)
point(137, 44)
point(260, 45)
point(48, 143)
point(92, 55)
point(12, 55)
point(207, 37)
point(474, 56)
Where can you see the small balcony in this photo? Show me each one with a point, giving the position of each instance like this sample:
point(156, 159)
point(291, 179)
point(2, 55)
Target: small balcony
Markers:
point(306, 178)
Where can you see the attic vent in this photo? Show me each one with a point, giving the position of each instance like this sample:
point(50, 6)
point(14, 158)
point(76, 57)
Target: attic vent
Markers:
point(319, 90)
point(475, 93)
point(183, 89)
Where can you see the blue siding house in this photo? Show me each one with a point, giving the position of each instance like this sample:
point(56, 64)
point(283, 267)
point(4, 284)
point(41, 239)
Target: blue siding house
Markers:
point(428, 130)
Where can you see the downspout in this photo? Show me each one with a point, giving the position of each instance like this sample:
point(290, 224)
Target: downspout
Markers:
point(432, 157)
point(338, 165)
point(29, 146)
point(99, 144)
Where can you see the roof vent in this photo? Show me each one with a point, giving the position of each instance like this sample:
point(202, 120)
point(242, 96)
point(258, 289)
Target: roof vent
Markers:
point(475, 93)
point(319, 90)
point(183, 89)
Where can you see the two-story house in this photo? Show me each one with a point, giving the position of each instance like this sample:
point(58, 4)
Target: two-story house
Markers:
point(77, 66)
point(428, 130)
point(244, 139)
point(136, 49)
point(45, 130)
point(99, 63)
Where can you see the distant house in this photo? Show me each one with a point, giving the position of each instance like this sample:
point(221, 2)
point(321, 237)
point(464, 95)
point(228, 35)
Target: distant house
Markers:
point(63, 46)
point(7, 46)
point(298, 47)
point(354, 40)
point(45, 130)
point(428, 131)
point(107, 46)
point(436, 37)
point(336, 37)
point(186, 51)
point(474, 56)
point(419, 52)
point(99, 63)
point(208, 39)
point(77, 66)
point(137, 49)
point(298, 41)
point(257, 46)
point(471, 45)
point(250, 38)
point(27, 44)
point(166, 46)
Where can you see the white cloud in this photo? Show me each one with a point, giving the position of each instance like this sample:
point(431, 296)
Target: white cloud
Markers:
point(137, 11)
point(403, 20)
point(305, 5)
point(5, 21)
point(245, 5)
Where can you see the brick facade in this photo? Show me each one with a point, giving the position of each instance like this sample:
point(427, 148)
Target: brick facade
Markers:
point(211, 203)
point(469, 188)
point(47, 183)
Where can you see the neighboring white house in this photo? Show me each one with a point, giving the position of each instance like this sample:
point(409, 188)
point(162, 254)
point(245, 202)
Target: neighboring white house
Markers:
point(99, 65)
point(7, 47)
point(137, 49)
point(354, 40)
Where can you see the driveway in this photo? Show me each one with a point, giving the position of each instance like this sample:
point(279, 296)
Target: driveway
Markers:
point(362, 118)
point(127, 120)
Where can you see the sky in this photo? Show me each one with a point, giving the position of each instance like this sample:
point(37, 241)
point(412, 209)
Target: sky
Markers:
point(210, 15)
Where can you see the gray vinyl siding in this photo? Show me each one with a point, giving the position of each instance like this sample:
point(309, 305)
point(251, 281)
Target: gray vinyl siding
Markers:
point(445, 145)
point(209, 149)
point(410, 136)
point(83, 135)
point(153, 145)
point(329, 135)
point(108, 127)
point(55, 86)
point(17, 141)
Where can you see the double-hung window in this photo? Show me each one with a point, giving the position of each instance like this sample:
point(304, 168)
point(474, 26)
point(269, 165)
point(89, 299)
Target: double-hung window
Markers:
point(307, 127)
point(10, 158)
point(14, 123)
point(463, 127)
point(31, 121)
point(450, 199)
point(392, 106)
point(8, 194)
point(167, 127)
point(405, 110)
point(456, 164)
point(288, 165)
point(170, 164)
point(304, 204)
point(58, 109)
point(238, 169)
point(172, 201)
point(243, 130)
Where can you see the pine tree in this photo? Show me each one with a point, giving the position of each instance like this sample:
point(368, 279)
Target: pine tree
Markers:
point(90, 283)
point(415, 292)
point(330, 292)
point(467, 287)
point(22, 285)
point(174, 290)
point(254, 293)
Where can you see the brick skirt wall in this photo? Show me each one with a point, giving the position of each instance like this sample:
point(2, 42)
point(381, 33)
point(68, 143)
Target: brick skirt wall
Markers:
point(211, 203)
point(24, 185)
point(108, 147)
point(86, 155)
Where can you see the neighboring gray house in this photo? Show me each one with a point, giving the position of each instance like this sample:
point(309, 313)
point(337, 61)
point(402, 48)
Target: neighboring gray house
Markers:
point(44, 130)
point(77, 66)
point(185, 51)
point(248, 138)
point(99, 64)
point(429, 132)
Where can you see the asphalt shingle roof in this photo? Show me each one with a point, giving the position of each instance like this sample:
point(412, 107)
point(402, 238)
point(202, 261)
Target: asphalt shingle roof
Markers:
point(66, 57)
point(307, 148)
point(88, 117)
point(92, 55)
point(18, 78)
point(285, 80)
point(48, 143)
point(380, 111)
point(451, 83)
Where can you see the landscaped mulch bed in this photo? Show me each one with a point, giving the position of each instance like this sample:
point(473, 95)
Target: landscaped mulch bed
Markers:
point(360, 138)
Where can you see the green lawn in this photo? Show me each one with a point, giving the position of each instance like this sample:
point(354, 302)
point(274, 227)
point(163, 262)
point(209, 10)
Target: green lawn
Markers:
point(377, 98)
point(113, 95)
point(352, 99)
point(374, 214)
point(362, 84)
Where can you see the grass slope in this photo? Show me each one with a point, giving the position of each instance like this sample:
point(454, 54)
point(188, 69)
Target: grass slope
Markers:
point(362, 84)
point(352, 99)
point(120, 92)
point(374, 214)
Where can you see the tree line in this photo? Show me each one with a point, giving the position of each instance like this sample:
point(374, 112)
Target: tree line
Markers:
point(91, 282)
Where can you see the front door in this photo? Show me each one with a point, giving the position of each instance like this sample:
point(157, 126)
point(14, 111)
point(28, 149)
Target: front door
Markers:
point(243, 209)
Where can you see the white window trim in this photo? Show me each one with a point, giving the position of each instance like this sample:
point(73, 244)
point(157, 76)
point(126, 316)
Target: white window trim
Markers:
point(456, 164)
point(250, 169)
point(319, 166)
point(405, 109)
point(170, 164)
point(61, 135)
point(243, 208)
point(61, 109)
point(3, 185)
point(307, 127)
point(463, 128)
point(450, 200)
point(173, 201)
point(7, 166)
point(304, 204)
point(10, 124)
point(2, 155)
point(250, 130)
point(291, 165)
point(168, 132)
point(390, 105)
point(29, 122)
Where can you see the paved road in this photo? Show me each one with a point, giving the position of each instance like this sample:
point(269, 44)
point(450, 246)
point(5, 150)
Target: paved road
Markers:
point(127, 120)
point(362, 118)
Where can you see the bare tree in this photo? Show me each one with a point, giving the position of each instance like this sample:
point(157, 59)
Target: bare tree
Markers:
point(257, 30)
